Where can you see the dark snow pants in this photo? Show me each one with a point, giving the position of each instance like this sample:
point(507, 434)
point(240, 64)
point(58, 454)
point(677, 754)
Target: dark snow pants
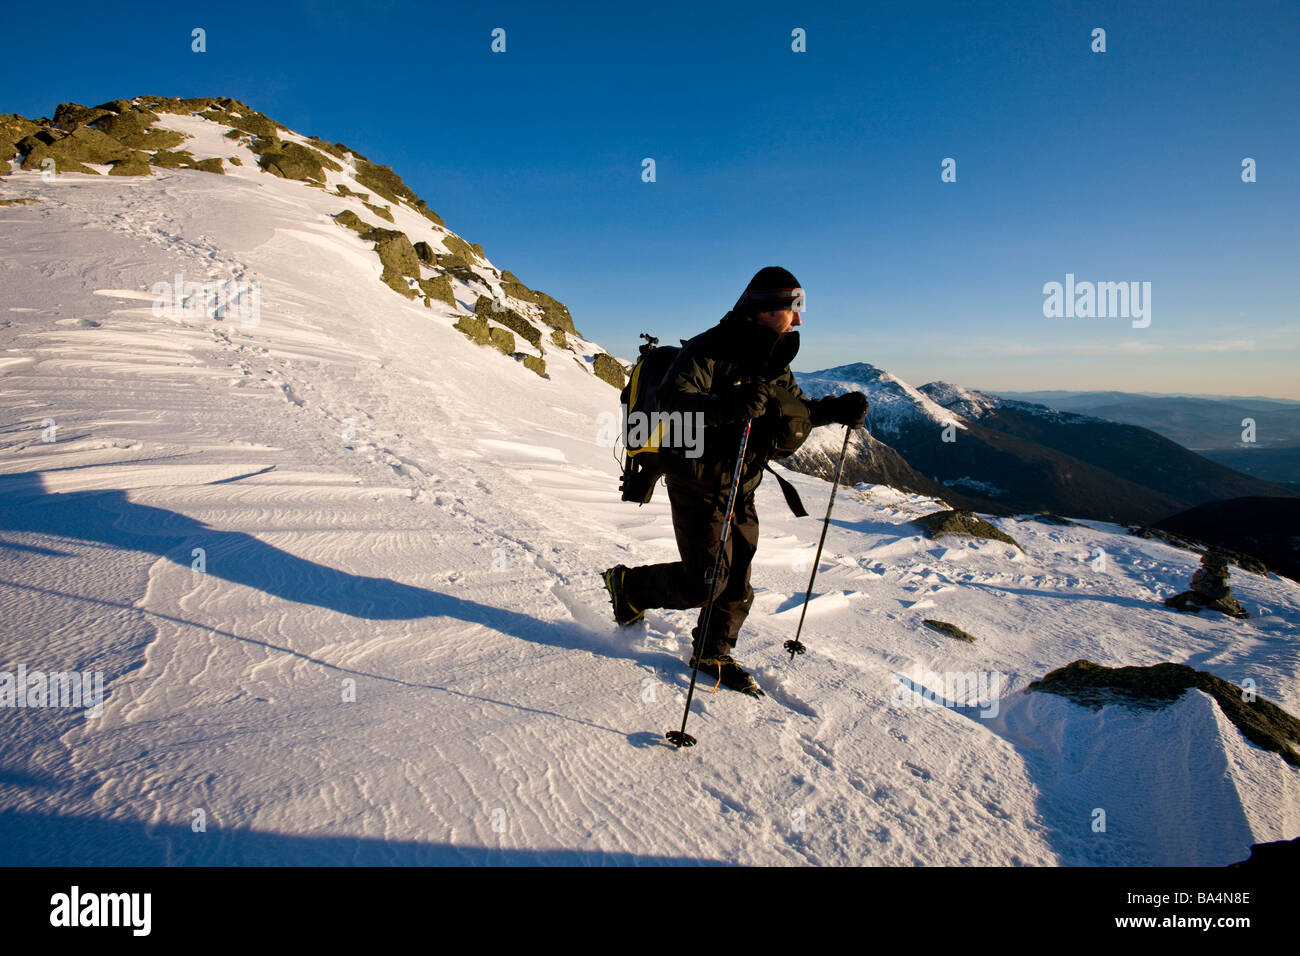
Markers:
point(698, 514)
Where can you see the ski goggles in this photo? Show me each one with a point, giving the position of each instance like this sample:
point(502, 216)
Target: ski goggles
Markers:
point(772, 300)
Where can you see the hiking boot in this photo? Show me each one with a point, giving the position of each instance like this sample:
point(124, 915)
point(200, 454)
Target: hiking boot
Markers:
point(615, 582)
point(728, 673)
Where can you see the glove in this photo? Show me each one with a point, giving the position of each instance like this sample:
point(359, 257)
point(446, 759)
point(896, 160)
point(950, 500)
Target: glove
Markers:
point(848, 409)
point(748, 400)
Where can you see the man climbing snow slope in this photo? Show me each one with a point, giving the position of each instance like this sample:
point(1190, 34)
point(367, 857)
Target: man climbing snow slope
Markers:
point(737, 370)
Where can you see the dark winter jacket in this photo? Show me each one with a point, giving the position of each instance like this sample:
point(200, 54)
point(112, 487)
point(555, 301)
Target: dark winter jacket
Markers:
point(736, 351)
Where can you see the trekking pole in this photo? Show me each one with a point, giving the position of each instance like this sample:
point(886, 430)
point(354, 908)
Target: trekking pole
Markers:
point(680, 738)
point(794, 647)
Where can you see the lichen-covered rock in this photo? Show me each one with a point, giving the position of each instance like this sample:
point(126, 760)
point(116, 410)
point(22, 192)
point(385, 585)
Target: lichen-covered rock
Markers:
point(169, 159)
point(534, 362)
point(40, 139)
point(554, 312)
point(344, 191)
point(399, 260)
point(89, 145)
point(448, 262)
point(511, 319)
point(294, 161)
point(474, 328)
point(234, 161)
point(180, 105)
point(459, 268)
point(383, 212)
point(334, 149)
point(83, 145)
point(385, 182)
point(422, 208)
point(71, 116)
point(137, 164)
point(352, 221)
point(125, 123)
point(952, 630)
point(14, 128)
point(458, 247)
point(1047, 517)
point(153, 139)
point(183, 159)
point(116, 106)
point(379, 234)
point(608, 369)
point(438, 289)
point(503, 339)
point(243, 118)
point(558, 338)
point(425, 253)
point(964, 523)
point(36, 159)
point(1091, 685)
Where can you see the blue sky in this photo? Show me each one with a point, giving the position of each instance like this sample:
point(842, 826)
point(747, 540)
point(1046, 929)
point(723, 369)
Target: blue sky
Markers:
point(1115, 166)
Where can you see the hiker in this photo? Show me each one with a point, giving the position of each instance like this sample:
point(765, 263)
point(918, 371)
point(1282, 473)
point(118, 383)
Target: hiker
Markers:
point(737, 370)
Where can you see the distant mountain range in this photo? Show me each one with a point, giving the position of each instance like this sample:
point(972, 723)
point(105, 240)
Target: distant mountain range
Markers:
point(1005, 456)
point(1207, 424)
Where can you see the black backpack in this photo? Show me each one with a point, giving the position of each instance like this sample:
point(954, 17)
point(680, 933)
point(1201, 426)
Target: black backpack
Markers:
point(645, 448)
point(643, 445)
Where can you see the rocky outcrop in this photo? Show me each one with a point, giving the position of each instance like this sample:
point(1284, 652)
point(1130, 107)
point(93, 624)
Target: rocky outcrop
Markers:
point(1210, 589)
point(609, 369)
point(554, 312)
point(1261, 722)
point(533, 362)
point(437, 289)
point(965, 524)
point(137, 164)
point(398, 258)
point(71, 151)
point(952, 630)
point(425, 253)
point(293, 161)
point(125, 136)
point(354, 222)
point(510, 319)
point(476, 330)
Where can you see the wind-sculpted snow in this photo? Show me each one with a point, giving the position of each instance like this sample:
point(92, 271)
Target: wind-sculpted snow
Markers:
point(339, 569)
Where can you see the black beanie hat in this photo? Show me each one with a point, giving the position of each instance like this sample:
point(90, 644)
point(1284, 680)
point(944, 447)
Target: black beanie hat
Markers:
point(771, 290)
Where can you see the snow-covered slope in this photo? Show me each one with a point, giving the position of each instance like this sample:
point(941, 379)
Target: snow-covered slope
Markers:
point(339, 570)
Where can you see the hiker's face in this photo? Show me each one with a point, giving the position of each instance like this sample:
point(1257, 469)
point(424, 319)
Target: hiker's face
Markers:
point(780, 322)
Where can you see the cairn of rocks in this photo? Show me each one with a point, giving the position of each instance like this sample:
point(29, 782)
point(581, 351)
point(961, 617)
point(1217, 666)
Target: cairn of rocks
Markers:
point(1209, 588)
